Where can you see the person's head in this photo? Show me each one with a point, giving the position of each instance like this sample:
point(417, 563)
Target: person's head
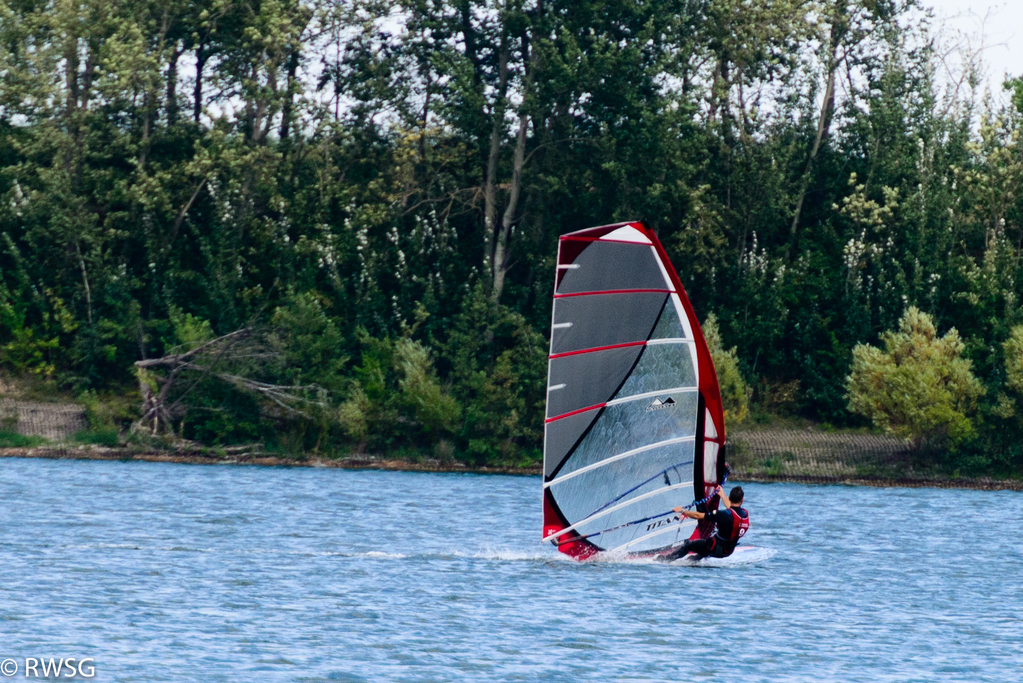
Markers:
point(735, 495)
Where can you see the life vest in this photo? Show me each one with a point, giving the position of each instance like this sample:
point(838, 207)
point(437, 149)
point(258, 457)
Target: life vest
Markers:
point(740, 525)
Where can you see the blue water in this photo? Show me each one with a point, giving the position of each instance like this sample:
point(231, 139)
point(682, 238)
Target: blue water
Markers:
point(199, 573)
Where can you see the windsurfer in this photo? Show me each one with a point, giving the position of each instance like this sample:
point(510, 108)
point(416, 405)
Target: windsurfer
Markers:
point(731, 523)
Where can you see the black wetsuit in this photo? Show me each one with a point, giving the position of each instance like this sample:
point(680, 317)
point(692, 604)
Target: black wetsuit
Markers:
point(720, 544)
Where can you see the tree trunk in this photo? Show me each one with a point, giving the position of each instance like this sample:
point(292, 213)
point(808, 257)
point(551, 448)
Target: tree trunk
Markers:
point(501, 254)
point(147, 109)
point(501, 250)
point(838, 28)
point(172, 87)
point(426, 118)
point(200, 63)
point(469, 36)
point(490, 185)
point(85, 284)
point(289, 103)
point(71, 78)
point(89, 73)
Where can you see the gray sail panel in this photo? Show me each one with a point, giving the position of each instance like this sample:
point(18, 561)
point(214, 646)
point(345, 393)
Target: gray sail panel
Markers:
point(661, 367)
point(669, 326)
point(589, 379)
point(607, 266)
point(658, 504)
point(586, 322)
point(628, 426)
point(560, 435)
point(624, 480)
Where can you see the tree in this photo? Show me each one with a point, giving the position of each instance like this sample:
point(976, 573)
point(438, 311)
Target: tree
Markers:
point(238, 361)
point(919, 387)
point(734, 392)
point(396, 400)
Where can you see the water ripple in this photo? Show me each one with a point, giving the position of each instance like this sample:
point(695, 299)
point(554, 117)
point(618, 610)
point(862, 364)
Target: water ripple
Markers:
point(178, 573)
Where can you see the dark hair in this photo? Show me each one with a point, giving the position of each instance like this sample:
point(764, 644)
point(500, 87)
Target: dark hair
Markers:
point(735, 495)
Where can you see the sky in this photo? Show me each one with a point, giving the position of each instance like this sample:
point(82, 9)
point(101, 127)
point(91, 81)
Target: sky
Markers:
point(1000, 22)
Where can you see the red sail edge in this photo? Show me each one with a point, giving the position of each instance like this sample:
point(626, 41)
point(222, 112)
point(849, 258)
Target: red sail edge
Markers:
point(571, 543)
point(569, 248)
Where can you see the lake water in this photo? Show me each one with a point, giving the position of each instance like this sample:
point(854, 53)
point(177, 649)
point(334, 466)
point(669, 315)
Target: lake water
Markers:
point(220, 573)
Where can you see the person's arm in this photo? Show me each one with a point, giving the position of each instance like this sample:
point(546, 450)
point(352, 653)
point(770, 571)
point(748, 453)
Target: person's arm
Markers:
point(691, 514)
point(724, 499)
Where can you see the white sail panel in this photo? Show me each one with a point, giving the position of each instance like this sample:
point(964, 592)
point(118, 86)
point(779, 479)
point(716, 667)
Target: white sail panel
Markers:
point(615, 458)
point(710, 461)
point(648, 471)
point(660, 367)
point(608, 532)
point(627, 234)
point(709, 430)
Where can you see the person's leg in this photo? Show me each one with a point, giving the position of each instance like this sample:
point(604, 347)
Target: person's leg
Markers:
point(701, 547)
point(677, 552)
point(704, 547)
point(721, 550)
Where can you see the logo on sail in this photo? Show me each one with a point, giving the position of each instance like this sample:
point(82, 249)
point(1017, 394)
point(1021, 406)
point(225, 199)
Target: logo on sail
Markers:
point(658, 404)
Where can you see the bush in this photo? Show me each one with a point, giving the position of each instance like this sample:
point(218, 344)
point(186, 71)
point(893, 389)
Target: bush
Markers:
point(1013, 348)
point(9, 439)
point(919, 387)
point(997, 449)
point(110, 410)
point(498, 368)
point(734, 391)
point(102, 436)
point(396, 399)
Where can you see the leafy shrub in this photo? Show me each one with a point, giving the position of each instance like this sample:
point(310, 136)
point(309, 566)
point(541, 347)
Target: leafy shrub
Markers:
point(101, 436)
point(421, 393)
point(110, 410)
point(734, 391)
point(10, 439)
point(1013, 348)
point(498, 368)
point(396, 399)
point(919, 387)
point(219, 413)
point(309, 342)
point(997, 449)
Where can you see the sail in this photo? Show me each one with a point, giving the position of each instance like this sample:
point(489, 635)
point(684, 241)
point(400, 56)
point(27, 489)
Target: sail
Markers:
point(634, 425)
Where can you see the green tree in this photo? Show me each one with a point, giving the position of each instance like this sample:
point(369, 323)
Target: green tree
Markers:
point(734, 391)
point(396, 400)
point(919, 387)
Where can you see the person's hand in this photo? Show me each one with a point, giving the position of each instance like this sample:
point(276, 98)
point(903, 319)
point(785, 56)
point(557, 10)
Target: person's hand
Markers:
point(678, 510)
point(721, 492)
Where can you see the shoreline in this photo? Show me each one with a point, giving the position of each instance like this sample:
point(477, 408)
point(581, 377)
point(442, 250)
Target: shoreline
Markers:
point(259, 460)
point(981, 484)
point(398, 465)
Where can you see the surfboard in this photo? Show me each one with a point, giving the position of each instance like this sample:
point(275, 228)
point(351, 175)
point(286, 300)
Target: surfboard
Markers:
point(634, 423)
point(744, 554)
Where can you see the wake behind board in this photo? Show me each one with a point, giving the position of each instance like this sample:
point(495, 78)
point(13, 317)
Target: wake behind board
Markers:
point(634, 423)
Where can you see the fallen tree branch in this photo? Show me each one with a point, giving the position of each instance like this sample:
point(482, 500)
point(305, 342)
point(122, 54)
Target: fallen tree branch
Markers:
point(229, 358)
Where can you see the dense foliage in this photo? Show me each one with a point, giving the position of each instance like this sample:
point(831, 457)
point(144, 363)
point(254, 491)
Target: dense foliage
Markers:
point(379, 187)
point(919, 387)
